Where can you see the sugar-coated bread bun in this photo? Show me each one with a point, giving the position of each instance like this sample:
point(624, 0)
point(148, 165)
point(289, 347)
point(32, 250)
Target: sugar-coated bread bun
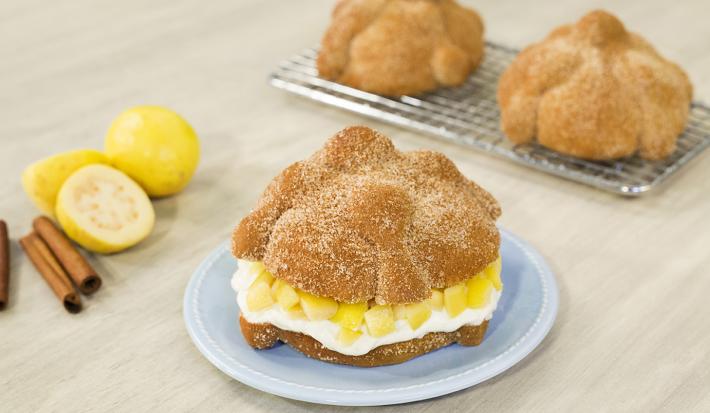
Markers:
point(401, 47)
point(595, 91)
point(361, 221)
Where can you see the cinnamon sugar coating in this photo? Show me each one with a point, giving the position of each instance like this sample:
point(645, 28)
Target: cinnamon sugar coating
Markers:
point(360, 220)
point(401, 47)
point(595, 91)
point(263, 336)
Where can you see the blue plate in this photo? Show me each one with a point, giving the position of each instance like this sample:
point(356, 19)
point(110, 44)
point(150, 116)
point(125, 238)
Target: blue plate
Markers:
point(525, 314)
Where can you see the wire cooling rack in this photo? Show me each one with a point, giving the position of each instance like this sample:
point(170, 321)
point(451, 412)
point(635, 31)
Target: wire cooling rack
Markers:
point(468, 115)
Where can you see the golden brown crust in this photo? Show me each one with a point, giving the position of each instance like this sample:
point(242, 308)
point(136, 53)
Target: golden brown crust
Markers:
point(360, 220)
point(401, 47)
point(595, 91)
point(263, 336)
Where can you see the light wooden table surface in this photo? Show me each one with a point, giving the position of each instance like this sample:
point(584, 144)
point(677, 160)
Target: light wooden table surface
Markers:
point(633, 331)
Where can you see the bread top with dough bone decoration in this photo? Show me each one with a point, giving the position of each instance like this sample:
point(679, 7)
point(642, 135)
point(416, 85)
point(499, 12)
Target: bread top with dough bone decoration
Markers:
point(401, 47)
point(360, 221)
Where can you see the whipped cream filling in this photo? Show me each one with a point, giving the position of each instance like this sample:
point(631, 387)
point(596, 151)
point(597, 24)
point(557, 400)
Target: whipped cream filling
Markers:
point(326, 331)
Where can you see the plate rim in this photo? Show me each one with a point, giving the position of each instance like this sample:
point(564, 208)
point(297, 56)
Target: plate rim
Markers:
point(511, 356)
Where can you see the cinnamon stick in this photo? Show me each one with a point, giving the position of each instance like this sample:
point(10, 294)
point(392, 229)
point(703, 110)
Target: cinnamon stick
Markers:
point(74, 263)
point(4, 265)
point(51, 271)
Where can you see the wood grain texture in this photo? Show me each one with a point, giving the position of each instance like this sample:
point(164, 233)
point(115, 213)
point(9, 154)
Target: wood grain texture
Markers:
point(632, 333)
